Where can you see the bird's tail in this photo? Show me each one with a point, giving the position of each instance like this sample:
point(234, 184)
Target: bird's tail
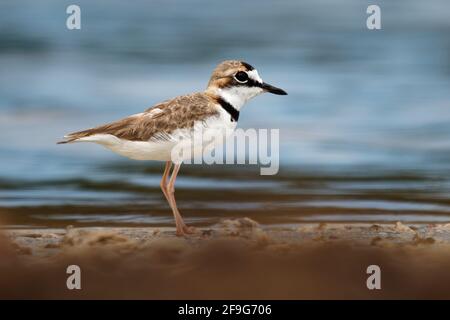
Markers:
point(64, 141)
point(72, 137)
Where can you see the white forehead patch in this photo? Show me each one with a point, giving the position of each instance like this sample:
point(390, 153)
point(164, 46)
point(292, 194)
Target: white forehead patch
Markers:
point(254, 75)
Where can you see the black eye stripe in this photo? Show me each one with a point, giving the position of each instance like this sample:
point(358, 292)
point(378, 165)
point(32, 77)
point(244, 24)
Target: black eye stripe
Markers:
point(250, 83)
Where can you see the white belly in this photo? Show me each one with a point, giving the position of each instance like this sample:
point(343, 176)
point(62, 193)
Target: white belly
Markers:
point(212, 132)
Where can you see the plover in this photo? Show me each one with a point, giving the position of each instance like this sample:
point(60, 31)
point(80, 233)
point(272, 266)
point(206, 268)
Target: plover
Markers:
point(152, 134)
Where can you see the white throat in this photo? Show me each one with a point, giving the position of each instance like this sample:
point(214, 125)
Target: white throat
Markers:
point(238, 96)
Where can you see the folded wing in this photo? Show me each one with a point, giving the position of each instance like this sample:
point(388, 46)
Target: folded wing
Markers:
point(155, 123)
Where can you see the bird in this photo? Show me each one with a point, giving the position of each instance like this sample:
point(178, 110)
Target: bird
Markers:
point(153, 133)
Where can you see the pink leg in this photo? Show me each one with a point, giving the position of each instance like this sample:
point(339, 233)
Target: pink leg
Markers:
point(164, 180)
point(168, 188)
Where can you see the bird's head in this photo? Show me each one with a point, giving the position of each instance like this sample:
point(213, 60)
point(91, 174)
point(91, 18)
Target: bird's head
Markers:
point(237, 82)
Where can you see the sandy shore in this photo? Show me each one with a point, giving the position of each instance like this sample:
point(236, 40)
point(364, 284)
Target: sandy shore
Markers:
point(49, 242)
point(234, 259)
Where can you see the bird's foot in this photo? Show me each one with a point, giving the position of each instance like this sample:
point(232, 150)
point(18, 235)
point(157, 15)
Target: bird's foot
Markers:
point(189, 230)
point(185, 230)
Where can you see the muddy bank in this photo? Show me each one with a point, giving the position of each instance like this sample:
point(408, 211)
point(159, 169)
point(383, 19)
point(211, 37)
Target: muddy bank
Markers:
point(235, 259)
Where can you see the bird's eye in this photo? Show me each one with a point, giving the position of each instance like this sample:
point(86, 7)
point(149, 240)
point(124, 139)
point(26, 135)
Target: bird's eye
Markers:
point(241, 76)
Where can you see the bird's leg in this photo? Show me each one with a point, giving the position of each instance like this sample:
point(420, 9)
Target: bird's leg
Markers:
point(182, 228)
point(164, 180)
point(168, 188)
point(164, 187)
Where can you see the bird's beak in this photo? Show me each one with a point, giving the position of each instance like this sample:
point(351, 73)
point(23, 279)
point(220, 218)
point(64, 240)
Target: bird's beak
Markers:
point(269, 88)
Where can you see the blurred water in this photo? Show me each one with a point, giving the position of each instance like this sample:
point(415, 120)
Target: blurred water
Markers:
point(364, 130)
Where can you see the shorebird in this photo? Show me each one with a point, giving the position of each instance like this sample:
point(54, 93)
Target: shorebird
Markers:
point(152, 134)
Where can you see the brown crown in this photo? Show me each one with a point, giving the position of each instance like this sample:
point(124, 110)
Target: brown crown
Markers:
point(222, 75)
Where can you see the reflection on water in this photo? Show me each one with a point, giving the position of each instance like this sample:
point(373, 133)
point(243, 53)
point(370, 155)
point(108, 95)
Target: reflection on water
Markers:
point(365, 129)
point(125, 193)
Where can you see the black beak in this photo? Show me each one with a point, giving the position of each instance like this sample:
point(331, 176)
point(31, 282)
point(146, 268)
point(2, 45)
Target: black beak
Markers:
point(269, 88)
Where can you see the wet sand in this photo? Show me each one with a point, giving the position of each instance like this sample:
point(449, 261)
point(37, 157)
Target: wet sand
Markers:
point(235, 259)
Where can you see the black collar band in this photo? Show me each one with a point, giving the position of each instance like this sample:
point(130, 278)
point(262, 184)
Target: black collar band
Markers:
point(230, 109)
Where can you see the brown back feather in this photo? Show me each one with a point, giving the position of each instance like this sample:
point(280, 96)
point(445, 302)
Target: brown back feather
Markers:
point(178, 113)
